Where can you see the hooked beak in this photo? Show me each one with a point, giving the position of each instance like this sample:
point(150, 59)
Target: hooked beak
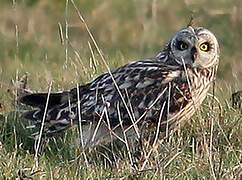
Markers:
point(193, 53)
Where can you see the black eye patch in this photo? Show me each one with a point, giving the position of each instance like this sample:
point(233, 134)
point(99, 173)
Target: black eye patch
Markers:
point(181, 45)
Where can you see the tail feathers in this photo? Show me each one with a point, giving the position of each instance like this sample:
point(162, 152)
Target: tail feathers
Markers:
point(58, 117)
point(49, 131)
point(51, 127)
point(40, 99)
point(35, 115)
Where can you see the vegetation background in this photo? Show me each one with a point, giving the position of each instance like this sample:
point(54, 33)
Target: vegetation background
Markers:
point(208, 147)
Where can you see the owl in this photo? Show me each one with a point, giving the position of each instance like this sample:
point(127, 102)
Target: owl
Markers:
point(148, 96)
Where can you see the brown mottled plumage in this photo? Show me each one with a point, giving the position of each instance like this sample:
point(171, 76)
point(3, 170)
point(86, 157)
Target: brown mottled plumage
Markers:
point(165, 90)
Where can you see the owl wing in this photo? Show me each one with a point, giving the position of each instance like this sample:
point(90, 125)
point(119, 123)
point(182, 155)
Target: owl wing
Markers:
point(138, 91)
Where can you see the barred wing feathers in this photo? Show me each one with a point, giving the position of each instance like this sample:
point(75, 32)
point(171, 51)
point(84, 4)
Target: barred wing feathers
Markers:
point(145, 86)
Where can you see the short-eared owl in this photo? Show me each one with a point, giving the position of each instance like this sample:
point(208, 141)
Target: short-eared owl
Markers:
point(157, 93)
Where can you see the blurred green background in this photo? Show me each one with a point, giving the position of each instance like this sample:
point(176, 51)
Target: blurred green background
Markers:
point(125, 30)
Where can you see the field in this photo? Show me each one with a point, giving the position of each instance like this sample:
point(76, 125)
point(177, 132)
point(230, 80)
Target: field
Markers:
point(45, 44)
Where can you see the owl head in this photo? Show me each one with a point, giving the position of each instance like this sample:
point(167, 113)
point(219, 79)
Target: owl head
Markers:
point(197, 47)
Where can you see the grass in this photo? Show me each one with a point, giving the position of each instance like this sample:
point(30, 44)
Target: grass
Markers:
point(207, 147)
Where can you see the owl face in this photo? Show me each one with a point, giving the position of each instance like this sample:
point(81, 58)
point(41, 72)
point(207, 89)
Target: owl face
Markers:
point(197, 47)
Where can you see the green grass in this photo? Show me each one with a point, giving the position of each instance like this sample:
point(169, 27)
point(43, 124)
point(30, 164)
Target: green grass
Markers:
point(124, 30)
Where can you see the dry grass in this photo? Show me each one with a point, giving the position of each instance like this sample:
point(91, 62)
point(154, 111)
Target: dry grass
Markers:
point(207, 147)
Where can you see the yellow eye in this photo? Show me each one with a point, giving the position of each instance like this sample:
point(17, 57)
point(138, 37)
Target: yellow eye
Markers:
point(182, 46)
point(204, 47)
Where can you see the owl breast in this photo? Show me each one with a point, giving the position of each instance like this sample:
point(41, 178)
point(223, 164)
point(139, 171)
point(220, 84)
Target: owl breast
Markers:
point(192, 93)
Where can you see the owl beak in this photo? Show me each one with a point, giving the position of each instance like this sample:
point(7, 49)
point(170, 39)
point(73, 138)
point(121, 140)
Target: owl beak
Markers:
point(193, 53)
